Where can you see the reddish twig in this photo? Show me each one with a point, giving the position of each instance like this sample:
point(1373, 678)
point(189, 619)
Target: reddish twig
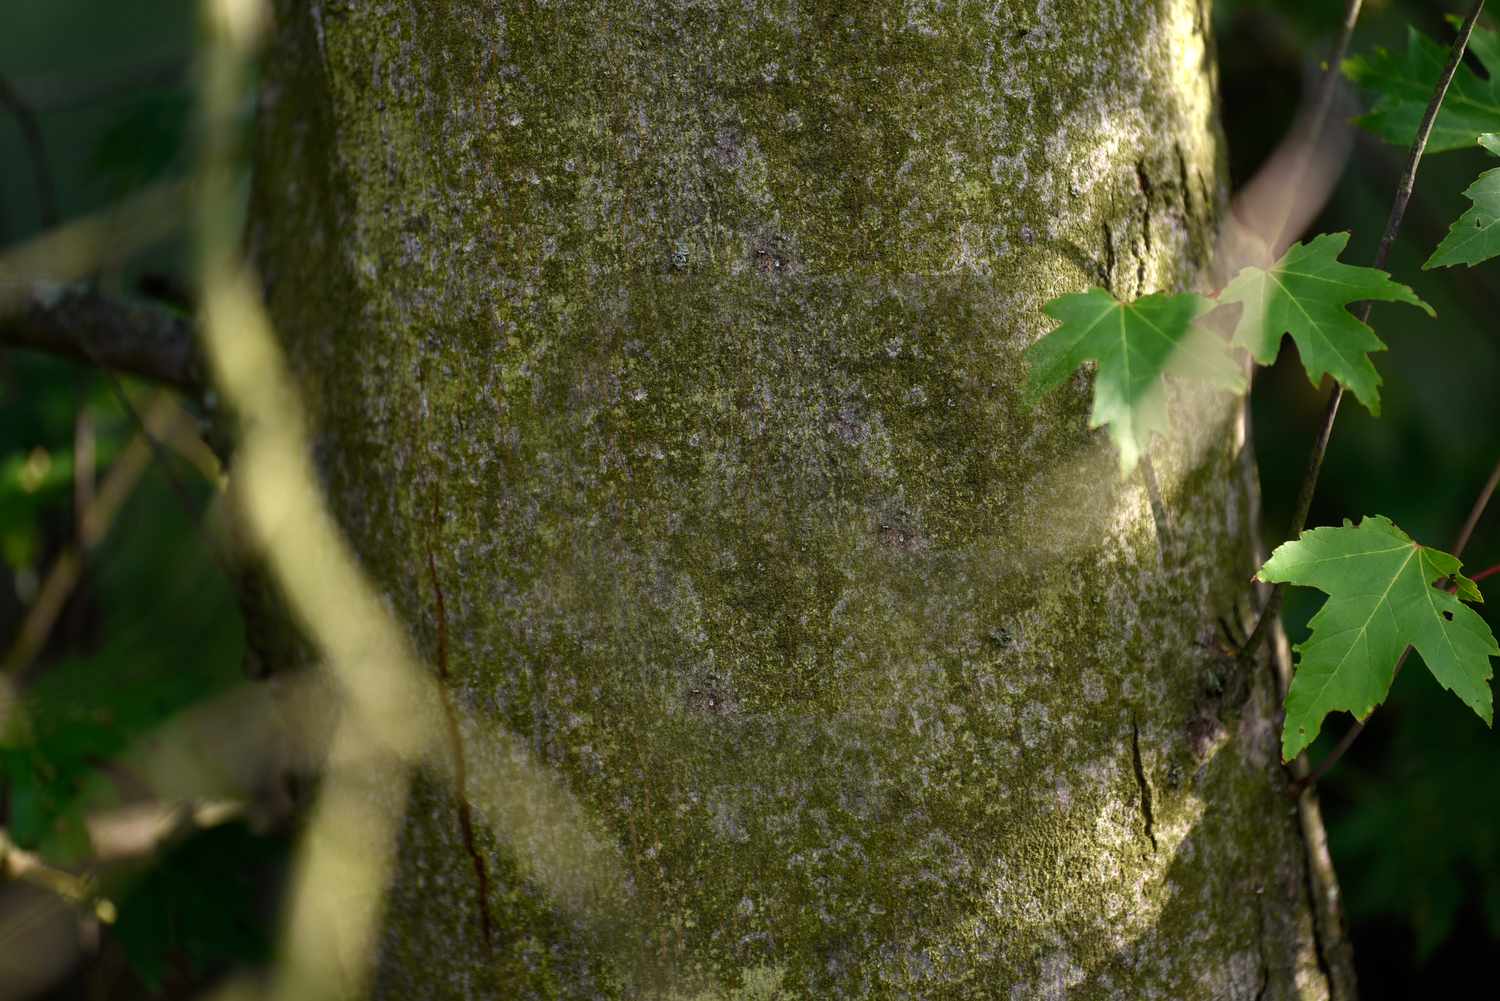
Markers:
point(1486, 572)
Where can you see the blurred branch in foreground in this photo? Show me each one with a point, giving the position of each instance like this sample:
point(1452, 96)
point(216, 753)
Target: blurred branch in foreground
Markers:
point(78, 249)
point(164, 419)
point(86, 326)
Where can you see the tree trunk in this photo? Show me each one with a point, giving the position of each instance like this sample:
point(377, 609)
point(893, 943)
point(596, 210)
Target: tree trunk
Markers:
point(685, 338)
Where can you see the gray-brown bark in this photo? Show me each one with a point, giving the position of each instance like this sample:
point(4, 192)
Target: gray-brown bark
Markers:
point(684, 338)
point(87, 326)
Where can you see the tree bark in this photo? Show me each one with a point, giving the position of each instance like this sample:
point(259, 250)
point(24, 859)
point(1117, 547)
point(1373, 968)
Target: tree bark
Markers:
point(665, 363)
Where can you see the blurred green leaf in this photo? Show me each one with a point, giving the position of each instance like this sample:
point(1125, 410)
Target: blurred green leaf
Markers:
point(1136, 344)
point(1403, 85)
point(1306, 294)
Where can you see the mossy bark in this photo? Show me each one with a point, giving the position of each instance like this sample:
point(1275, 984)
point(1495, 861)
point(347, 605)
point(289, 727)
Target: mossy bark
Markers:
point(686, 338)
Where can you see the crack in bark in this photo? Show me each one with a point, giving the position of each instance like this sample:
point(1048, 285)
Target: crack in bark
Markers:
point(1143, 181)
point(1260, 949)
point(456, 747)
point(1140, 779)
point(1109, 259)
point(1182, 180)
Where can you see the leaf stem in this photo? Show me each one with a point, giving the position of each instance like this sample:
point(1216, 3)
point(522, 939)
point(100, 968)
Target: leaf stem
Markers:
point(1392, 225)
point(36, 148)
point(1487, 572)
point(1464, 535)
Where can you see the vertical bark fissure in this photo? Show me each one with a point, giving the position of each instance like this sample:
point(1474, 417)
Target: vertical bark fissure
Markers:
point(1141, 781)
point(1143, 180)
point(1182, 180)
point(1260, 947)
point(1109, 258)
point(456, 751)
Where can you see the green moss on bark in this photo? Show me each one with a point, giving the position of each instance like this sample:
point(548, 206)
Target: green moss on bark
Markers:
point(704, 323)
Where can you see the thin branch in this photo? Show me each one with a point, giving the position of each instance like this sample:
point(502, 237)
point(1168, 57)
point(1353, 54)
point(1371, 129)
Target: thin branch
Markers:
point(1392, 225)
point(79, 248)
point(119, 334)
point(1467, 532)
point(159, 453)
point(1459, 544)
point(456, 742)
point(1327, 87)
point(63, 574)
point(82, 890)
point(36, 148)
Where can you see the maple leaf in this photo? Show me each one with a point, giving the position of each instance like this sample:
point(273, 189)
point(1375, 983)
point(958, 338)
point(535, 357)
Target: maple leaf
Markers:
point(1475, 236)
point(1403, 85)
point(1135, 344)
point(1384, 594)
point(1306, 294)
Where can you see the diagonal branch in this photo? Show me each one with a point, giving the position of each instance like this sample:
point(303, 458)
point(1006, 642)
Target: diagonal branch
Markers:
point(36, 148)
point(115, 333)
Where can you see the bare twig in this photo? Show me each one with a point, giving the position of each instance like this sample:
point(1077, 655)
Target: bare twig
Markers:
point(128, 336)
point(1327, 87)
point(36, 148)
point(456, 746)
point(1392, 226)
point(117, 487)
point(159, 453)
point(82, 247)
point(1476, 512)
point(17, 863)
point(1332, 941)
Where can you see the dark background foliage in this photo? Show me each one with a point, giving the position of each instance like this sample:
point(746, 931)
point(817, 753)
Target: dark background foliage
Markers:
point(152, 628)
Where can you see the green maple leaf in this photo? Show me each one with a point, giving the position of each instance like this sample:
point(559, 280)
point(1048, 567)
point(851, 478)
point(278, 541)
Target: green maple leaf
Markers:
point(1306, 294)
point(1385, 592)
point(1475, 236)
point(1135, 344)
point(1403, 84)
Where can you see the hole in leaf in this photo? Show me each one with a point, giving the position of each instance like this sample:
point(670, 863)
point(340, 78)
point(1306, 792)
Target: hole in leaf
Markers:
point(1448, 616)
